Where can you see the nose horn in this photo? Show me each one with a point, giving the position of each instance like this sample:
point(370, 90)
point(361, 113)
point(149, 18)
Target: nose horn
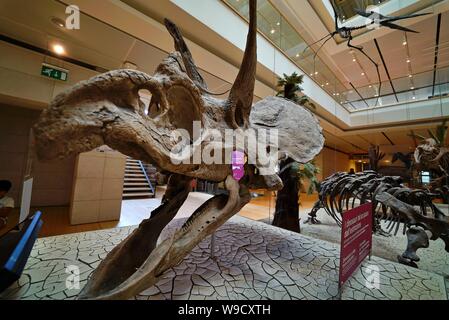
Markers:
point(241, 95)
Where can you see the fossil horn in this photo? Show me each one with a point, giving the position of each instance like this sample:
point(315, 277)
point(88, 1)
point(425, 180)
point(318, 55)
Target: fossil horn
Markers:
point(241, 95)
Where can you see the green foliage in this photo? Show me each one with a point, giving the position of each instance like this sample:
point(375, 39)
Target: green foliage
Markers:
point(309, 171)
point(291, 89)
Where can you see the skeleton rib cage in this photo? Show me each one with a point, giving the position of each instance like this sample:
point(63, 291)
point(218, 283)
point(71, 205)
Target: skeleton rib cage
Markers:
point(393, 203)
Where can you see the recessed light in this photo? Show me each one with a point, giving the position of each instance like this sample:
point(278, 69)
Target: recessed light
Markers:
point(278, 24)
point(370, 86)
point(410, 76)
point(363, 73)
point(412, 88)
point(297, 55)
point(327, 83)
point(354, 60)
point(408, 60)
point(58, 49)
point(316, 72)
point(272, 31)
point(404, 43)
point(414, 98)
point(311, 74)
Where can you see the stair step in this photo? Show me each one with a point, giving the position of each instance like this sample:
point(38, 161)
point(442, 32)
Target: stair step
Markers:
point(135, 180)
point(138, 195)
point(125, 189)
point(134, 183)
point(133, 169)
point(134, 175)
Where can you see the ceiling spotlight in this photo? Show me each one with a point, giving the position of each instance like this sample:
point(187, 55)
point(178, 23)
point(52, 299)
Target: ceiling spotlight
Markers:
point(333, 94)
point(404, 43)
point(338, 94)
point(353, 60)
point(414, 98)
point(412, 88)
point(327, 83)
point(58, 49)
point(311, 74)
point(297, 55)
point(370, 86)
point(363, 73)
point(316, 72)
point(322, 85)
point(272, 31)
point(278, 24)
point(410, 76)
point(408, 60)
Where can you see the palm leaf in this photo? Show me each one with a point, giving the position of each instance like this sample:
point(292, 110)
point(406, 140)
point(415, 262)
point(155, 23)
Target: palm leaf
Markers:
point(415, 135)
point(433, 136)
point(441, 133)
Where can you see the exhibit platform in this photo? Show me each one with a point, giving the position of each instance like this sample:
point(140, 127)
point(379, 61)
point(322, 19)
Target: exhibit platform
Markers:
point(252, 260)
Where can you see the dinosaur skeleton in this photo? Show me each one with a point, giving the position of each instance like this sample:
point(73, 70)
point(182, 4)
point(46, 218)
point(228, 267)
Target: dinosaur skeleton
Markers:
point(392, 202)
point(430, 156)
point(107, 110)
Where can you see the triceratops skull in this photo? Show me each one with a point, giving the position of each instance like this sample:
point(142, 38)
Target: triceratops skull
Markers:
point(107, 109)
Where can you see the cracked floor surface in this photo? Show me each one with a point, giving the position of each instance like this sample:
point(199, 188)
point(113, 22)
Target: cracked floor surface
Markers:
point(252, 260)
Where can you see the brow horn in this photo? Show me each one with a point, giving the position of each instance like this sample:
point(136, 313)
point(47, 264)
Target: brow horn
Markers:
point(241, 95)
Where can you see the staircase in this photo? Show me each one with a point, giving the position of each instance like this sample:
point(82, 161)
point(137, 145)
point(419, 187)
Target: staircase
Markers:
point(138, 183)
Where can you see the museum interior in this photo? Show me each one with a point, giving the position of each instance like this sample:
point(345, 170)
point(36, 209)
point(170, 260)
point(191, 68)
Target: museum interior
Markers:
point(224, 150)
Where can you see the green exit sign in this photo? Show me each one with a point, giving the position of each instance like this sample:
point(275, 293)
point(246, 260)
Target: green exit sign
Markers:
point(54, 72)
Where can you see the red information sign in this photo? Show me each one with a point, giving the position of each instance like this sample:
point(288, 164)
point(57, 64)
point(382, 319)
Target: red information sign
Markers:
point(356, 240)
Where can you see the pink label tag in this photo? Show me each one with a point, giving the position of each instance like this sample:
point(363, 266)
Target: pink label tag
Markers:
point(238, 163)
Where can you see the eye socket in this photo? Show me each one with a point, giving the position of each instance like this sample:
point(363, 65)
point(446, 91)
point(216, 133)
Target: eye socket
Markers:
point(151, 106)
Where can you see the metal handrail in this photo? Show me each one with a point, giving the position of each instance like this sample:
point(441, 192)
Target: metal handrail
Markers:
point(146, 176)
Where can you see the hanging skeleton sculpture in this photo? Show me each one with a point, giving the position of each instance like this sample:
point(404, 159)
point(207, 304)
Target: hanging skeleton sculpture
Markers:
point(346, 33)
point(393, 203)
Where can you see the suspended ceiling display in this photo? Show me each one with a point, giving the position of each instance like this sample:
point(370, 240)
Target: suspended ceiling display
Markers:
point(413, 66)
